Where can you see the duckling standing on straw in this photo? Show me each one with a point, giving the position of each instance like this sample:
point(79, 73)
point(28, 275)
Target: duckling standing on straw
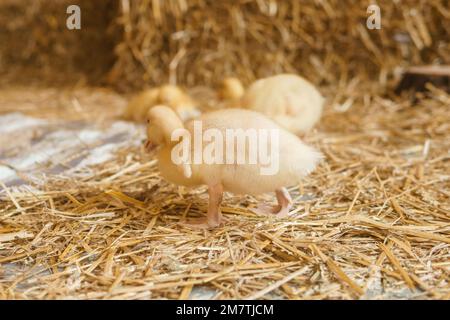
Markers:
point(169, 95)
point(294, 159)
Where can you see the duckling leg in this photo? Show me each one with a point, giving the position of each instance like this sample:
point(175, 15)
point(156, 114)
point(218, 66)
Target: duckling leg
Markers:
point(284, 202)
point(214, 215)
point(281, 210)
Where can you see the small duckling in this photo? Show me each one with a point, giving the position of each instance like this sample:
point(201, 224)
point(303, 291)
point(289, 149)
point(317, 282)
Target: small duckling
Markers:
point(288, 99)
point(179, 101)
point(139, 105)
point(295, 159)
point(169, 95)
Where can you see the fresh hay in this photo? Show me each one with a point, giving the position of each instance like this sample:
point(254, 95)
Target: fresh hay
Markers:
point(372, 222)
point(202, 41)
point(37, 45)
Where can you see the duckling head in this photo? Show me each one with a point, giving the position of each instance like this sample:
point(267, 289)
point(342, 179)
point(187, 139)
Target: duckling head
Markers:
point(161, 122)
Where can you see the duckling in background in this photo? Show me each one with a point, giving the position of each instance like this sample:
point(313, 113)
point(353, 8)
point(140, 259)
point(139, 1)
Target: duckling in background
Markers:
point(139, 105)
point(179, 101)
point(295, 159)
point(169, 95)
point(232, 91)
point(288, 99)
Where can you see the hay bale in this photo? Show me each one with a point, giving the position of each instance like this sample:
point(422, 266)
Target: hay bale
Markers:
point(41, 46)
point(202, 41)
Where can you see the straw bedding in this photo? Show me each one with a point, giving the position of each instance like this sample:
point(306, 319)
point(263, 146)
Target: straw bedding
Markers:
point(371, 222)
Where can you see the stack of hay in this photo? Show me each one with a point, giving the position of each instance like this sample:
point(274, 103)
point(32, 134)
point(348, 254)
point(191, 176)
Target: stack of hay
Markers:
point(38, 44)
point(201, 41)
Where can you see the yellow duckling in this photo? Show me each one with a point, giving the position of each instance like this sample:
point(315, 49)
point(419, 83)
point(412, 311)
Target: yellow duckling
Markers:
point(288, 99)
point(227, 162)
point(169, 95)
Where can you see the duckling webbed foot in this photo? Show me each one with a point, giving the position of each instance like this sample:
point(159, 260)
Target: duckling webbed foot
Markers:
point(214, 216)
point(281, 210)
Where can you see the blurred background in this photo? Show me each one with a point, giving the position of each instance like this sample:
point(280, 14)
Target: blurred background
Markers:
point(130, 44)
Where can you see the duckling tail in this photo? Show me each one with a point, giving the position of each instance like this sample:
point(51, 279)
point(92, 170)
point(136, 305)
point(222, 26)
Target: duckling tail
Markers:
point(307, 161)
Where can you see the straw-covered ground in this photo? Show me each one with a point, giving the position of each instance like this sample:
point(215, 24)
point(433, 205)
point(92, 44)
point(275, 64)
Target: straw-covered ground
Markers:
point(371, 222)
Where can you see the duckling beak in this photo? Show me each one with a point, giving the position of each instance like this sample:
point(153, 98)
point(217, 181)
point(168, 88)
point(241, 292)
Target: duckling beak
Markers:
point(149, 146)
